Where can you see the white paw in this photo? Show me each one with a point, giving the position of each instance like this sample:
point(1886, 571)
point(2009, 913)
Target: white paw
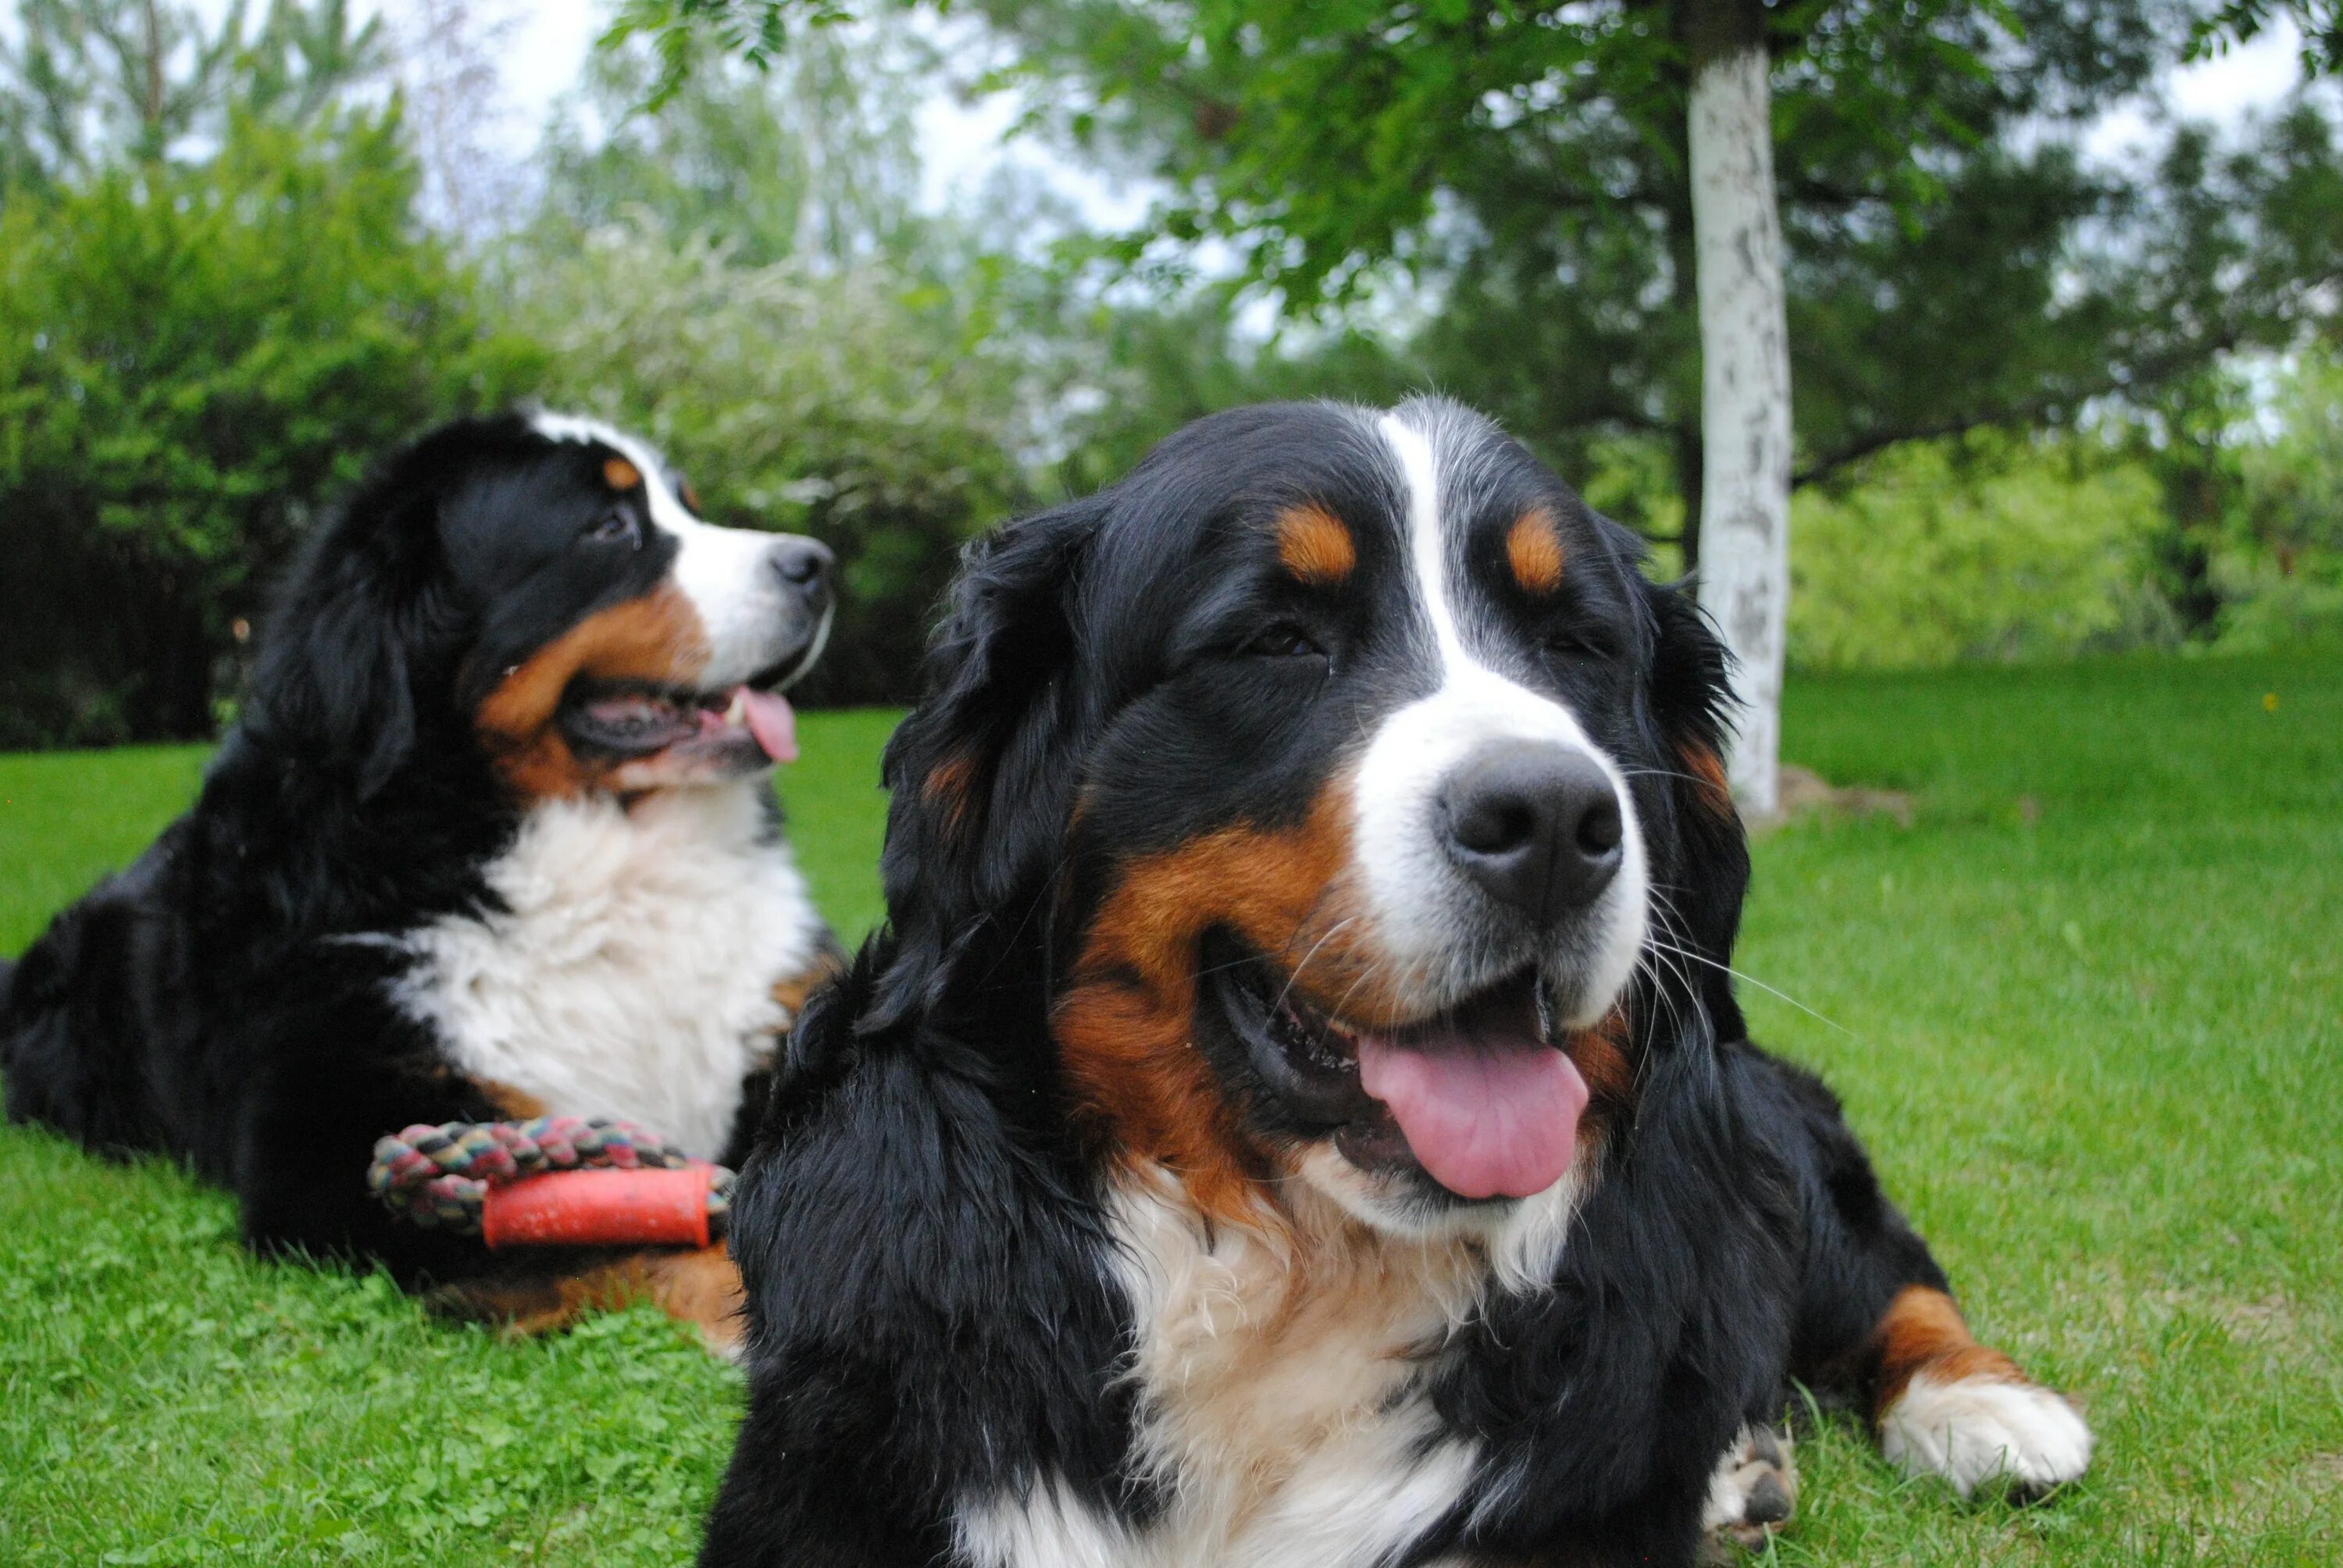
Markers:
point(1977, 1429)
point(1753, 1493)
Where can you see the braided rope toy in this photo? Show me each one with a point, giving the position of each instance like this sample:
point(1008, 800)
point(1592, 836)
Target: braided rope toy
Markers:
point(555, 1181)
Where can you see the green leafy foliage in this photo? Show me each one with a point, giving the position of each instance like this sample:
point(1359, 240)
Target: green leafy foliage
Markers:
point(2279, 567)
point(1952, 264)
point(194, 355)
point(1525, 169)
point(2240, 21)
point(1935, 552)
point(810, 155)
point(219, 300)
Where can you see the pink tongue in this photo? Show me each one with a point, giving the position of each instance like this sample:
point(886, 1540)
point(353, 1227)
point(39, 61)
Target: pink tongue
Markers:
point(1485, 1118)
point(773, 722)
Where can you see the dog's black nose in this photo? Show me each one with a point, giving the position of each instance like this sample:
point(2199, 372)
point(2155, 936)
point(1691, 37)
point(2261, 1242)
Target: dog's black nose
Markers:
point(802, 563)
point(1536, 824)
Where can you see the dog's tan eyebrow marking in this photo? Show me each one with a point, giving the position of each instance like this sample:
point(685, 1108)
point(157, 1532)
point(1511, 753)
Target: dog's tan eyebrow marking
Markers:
point(1314, 545)
point(1534, 549)
point(620, 475)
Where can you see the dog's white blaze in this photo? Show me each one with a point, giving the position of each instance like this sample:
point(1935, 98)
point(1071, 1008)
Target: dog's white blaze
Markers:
point(724, 572)
point(630, 970)
point(1409, 877)
point(1970, 1430)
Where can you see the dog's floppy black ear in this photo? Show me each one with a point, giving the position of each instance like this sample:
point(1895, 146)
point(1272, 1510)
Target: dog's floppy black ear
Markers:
point(981, 771)
point(336, 685)
point(1691, 700)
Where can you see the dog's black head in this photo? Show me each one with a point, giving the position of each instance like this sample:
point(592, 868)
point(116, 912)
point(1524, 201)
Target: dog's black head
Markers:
point(1347, 796)
point(537, 588)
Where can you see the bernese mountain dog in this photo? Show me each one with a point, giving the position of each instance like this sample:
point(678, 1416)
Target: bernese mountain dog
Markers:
point(1297, 1114)
point(493, 837)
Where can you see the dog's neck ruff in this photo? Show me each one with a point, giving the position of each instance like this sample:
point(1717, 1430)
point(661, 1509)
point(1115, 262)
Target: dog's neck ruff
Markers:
point(629, 969)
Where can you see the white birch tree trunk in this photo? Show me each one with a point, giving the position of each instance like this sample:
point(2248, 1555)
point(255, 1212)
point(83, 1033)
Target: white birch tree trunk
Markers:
point(1745, 396)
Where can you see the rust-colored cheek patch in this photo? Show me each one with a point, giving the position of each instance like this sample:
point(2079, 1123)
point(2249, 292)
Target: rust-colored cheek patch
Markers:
point(1125, 1026)
point(1315, 546)
point(1533, 551)
point(657, 638)
point(620, 475)
point(1600, 1056)
point(1923, 1332)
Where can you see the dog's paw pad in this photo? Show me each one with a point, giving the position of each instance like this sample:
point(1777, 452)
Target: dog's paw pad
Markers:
point(1977, 1430)
point(1753, 1493)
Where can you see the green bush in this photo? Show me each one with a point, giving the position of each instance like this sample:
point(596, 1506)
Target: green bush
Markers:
point(1986, 549)
point(192, 357)
point(2279, 567)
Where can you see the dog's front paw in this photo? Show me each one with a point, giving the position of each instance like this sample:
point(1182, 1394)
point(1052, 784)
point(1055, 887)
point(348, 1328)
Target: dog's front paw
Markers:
point(1753, 1493)
point(1974, 1430)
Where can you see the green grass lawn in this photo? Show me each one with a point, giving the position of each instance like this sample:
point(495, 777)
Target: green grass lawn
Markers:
point(2089, 1009)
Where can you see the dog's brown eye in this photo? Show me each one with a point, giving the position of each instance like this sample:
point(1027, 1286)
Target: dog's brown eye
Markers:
point(615, 526)
point(1283, 641)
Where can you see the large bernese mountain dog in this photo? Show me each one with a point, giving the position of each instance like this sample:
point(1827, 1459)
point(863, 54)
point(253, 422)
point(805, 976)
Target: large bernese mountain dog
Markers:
point(493, 837)
point(1298, 1114)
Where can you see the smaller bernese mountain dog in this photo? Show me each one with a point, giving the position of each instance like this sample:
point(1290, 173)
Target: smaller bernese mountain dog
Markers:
point(1297, 1115)
point(494, 836)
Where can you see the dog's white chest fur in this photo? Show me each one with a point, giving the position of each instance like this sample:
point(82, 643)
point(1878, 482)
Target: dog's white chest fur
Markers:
point(631, 969)
point(1282, 1402)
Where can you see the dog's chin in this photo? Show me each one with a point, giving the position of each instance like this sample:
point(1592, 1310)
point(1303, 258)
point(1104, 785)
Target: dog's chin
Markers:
point(1441, 1125)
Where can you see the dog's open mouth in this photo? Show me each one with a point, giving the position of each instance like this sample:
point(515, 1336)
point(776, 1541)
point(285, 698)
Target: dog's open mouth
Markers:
point(737, 728)
point(1477, 1095)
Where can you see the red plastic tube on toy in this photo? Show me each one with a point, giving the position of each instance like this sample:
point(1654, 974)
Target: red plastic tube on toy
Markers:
point(599, 1208)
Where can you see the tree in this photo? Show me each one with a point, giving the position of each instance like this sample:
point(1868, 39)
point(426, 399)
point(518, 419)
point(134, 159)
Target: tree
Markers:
point(1319, 140)
point(2320, 23)
point(447, 56)
point(89, 84)
point(813, 156)
point(1745, 352)
point(2281, 564)
point(210, 317)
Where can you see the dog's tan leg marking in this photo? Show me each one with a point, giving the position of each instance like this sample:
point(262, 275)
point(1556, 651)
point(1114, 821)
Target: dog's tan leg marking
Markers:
point(1952, 1407)
point(701, 1288)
